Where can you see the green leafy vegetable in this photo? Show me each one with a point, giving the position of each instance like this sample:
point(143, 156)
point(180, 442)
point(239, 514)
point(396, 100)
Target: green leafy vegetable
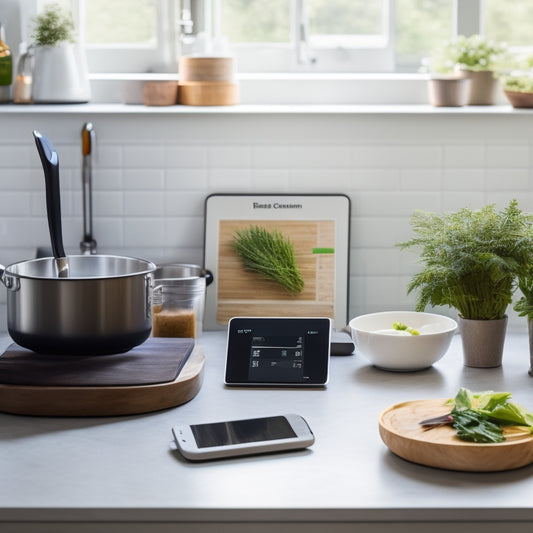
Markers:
point(473, 426)
point(402, 327)
point(478, 417)
point(271, 255)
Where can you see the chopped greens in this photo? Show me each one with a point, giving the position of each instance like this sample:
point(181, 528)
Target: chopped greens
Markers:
point(479, 417)
point(402, 327)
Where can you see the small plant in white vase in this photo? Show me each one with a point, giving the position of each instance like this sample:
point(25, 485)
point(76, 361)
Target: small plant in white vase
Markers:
point(60, 74)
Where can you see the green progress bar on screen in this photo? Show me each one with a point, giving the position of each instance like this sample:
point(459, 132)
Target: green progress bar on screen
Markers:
point(323, 250)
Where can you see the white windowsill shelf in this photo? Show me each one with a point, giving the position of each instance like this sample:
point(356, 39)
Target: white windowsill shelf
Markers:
point(121, 109)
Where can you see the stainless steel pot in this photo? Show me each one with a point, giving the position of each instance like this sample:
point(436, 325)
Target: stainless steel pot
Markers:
point(102, 307)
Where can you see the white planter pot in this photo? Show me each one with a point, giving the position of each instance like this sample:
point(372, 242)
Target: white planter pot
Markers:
point(60, 75)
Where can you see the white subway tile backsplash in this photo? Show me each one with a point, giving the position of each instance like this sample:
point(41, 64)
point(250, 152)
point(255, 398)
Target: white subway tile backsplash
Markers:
point(505, 179)
point(183, 156)
point(271, 156)
point(375, 179)
point(107, 179)
point(185, 179)
point(464, 156)
point(270, 180)
point(394, 156)
point(15, 179)
point(14, 203)
point(184, 204)
point(184, 232)
point(109, 233)
point(421, 179)
point(463, 179)
point(230, 179)
point(105, 203)
point(319, 156)
point(319, 180)
point(12, 156)
point(143, 156)
point(106, 156)
point(391, 203)
point(144, 203)
point(149, 189)
point(144, 230)
point(229, 157)
point(453, 200)
point(144, 179)
point(507, 155)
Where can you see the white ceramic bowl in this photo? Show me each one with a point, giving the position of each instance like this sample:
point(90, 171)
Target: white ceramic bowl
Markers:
point(402, 353)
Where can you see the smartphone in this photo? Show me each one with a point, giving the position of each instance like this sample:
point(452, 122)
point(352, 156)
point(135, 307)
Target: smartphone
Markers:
point(249, 436)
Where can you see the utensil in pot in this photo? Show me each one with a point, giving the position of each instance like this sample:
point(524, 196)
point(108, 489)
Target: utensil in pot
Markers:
point(50, 162)
point(88, 244)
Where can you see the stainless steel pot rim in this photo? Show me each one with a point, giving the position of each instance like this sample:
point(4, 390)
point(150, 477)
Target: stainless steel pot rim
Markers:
point(145, 267)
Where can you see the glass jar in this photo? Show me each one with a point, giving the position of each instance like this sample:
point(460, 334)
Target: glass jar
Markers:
point(178, 300)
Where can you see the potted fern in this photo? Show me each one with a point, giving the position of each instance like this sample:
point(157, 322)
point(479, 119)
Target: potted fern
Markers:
point(473, 260)
point(524, 307)
point(60, 73)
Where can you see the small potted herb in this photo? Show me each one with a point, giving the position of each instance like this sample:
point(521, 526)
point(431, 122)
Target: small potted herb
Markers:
point(60, 73)
point(473, 260)
point(475, 58)
point(518, 89)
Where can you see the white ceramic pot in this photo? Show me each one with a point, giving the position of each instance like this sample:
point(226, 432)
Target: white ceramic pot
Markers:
point(60, 75)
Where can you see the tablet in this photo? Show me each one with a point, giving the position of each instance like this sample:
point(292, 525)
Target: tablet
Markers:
point(278, 351)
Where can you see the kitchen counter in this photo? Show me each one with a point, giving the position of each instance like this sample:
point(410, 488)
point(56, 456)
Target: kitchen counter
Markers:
point(124, 474)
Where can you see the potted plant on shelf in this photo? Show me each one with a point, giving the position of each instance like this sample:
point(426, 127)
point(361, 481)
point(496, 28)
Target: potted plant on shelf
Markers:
point(518, 89)
point(447, 86)
point(473, 259)
point(60, 72)
point(475, 58)
point(479, 58)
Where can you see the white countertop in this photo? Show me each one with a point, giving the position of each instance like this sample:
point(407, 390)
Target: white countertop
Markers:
point(118, 470)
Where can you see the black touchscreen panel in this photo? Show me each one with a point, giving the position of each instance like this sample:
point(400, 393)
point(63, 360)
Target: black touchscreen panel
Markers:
point(278, 351)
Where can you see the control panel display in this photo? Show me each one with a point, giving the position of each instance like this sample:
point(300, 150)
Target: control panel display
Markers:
point(278, 351)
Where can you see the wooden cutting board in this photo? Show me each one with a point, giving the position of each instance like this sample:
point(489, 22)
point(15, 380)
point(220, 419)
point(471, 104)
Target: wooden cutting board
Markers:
point(159, 374)
point(242, 292)
point(439, 447)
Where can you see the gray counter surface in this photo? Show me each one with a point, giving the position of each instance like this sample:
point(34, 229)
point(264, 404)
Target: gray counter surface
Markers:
point(122, 473)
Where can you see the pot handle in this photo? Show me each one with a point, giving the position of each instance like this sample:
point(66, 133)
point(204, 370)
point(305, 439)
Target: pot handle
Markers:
point(208, 277)
point(12, 283)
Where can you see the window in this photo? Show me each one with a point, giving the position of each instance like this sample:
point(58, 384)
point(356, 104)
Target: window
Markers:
point(288, 36)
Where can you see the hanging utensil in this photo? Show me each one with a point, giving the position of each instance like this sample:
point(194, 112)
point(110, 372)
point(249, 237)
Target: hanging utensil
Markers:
point(50, 162)
point(88, 245)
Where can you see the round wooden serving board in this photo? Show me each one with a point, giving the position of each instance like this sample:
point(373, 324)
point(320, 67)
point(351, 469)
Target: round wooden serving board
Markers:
point(111, 400)
point(400, 430)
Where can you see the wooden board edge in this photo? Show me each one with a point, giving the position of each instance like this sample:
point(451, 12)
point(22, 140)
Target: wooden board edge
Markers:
point(106, 401)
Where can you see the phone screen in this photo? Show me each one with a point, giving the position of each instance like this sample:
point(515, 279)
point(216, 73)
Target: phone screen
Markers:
point(242, 431)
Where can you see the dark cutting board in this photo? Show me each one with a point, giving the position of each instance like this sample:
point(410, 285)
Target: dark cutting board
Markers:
point(161, 373)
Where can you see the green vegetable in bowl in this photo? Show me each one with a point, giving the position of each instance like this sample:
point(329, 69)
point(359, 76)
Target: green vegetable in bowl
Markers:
point(402, 327)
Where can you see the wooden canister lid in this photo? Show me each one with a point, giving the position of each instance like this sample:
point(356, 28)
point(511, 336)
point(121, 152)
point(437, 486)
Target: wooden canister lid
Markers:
point(206, 69)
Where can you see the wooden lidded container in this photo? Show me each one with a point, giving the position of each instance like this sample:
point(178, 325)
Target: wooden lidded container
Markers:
point(207, 81)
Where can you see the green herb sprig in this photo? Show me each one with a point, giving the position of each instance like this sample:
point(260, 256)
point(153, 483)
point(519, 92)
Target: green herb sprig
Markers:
point(271, 255)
